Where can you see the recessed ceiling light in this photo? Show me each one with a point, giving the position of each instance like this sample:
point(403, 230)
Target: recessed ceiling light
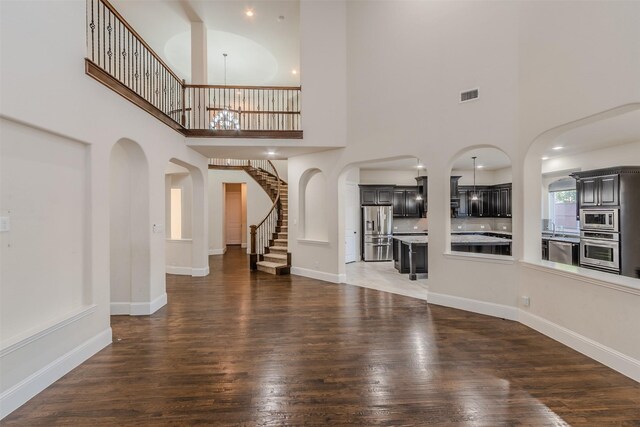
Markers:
point(420, 166)
point(249, 13)
point(557, 147)
point(294, 71)
point(545, 158)
point(271, 153)
point(480, 166)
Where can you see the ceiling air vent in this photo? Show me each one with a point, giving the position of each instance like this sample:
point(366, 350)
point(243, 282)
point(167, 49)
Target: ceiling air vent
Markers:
point(469, 95)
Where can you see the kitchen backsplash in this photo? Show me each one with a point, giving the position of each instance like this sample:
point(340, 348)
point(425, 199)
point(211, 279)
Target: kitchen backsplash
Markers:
point(408, 224)
point(475, 224)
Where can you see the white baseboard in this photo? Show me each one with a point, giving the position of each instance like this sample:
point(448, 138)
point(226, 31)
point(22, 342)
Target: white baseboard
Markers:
point(181, 271)
point(314, 274)
point(138, 308)
point(342, 278)
point(187, 271)
point(19, 394)
point(615, 360)
point(200, 272)
point(474, 306)
point(217, 251)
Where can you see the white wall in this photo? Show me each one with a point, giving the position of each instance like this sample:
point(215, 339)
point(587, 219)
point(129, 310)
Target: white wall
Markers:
point(312, 224)
point(120, 225)
point(57, 107)
point(43, 259)
point(258, 204)
point(417, 57)
point(396, 177)
point(484, 177)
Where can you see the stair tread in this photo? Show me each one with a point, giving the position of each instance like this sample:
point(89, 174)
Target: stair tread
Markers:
point(278, 248)
point(280, 240)
point(271, 264)
point(276, 256)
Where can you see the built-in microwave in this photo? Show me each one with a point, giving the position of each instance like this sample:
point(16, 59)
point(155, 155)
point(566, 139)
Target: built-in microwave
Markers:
point(599, 219)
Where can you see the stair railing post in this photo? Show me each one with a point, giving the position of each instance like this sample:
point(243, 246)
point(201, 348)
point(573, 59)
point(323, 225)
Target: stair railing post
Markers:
point(184, 108)
point(253, 256)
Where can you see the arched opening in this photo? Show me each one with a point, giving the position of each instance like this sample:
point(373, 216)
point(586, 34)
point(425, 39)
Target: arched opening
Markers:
point(381, 202)
point(185, 215)
point(581, 186)
point(312, 215)
point(129, 229)
point(481, 191)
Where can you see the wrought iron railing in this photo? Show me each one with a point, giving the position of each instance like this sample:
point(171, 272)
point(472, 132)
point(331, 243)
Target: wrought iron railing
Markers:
point(117, 55)
point(115, 47)
point(261, 234)
point(257, 107)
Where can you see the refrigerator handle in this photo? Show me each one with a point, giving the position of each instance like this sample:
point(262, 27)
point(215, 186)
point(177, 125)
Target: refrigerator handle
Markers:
point(379, 230)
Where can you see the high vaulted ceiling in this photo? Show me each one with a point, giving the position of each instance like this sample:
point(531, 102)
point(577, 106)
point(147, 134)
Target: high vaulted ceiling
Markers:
point(262, 49)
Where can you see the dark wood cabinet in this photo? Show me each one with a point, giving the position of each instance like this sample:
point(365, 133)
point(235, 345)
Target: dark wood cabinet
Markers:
point(598, 191)
point(493, 201)
point(405, 203)
point(463, 209)
point(376, 195)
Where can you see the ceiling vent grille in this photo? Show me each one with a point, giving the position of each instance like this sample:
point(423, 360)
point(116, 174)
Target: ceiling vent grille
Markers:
point(469, 95)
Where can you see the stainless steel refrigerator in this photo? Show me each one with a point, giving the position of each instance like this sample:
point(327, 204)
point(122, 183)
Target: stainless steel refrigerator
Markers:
point(378, 240)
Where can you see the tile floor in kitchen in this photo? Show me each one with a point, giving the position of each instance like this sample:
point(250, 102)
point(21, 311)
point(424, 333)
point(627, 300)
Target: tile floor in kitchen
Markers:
point(382, 276)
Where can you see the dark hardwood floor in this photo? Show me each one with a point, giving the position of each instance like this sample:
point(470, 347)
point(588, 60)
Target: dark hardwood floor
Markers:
point(241, 348)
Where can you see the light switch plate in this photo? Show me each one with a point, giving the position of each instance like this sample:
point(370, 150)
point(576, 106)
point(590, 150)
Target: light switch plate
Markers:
point(5, 223)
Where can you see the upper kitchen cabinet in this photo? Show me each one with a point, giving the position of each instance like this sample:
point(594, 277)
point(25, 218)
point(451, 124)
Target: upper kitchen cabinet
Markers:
point(480, 184)
point(405, 202)
point(595, 191)
point(376, 195)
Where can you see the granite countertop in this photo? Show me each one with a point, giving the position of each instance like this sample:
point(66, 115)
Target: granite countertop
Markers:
point(476, 239)
point(405, 233)
point(502, 233)
point(413, 239)
point(569, 239)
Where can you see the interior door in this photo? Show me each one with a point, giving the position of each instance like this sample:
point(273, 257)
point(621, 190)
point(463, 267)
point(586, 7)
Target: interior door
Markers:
point(233, 217)
point(352, 219)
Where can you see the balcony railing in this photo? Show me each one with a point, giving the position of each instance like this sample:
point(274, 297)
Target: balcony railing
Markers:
point(118, 57)
point(258, 108)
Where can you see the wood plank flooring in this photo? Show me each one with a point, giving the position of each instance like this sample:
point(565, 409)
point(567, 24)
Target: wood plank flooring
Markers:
point(242, 348)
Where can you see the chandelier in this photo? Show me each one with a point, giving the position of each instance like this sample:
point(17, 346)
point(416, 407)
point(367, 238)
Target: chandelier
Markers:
point(226, 118)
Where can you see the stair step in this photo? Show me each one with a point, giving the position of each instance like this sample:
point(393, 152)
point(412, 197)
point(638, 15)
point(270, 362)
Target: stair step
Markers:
point(273, 268)
point(281, 242)
point(283, 235)
point(278, 258)
point(278, 249)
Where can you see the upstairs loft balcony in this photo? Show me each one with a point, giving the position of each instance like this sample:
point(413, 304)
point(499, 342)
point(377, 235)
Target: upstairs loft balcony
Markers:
point(119, 58)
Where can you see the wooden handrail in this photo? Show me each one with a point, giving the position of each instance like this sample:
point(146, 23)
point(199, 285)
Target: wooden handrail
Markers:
point(245, 87)
point(275, 202)
point(139, 37)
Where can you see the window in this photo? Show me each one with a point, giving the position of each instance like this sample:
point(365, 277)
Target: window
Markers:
point(176, 214)
point(562, 211)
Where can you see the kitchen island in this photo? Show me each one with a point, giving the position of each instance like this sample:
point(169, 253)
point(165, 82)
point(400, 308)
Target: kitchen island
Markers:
point(410, 253)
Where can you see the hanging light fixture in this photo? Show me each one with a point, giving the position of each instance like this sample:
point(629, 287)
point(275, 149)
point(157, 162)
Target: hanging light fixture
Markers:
point(475, 194)
point(419, 196)
point(226, 118)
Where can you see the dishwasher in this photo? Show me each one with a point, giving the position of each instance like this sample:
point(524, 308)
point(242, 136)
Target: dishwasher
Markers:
point(561, 252)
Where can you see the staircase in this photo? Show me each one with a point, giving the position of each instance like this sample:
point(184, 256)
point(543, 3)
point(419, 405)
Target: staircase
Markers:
point(269, 239)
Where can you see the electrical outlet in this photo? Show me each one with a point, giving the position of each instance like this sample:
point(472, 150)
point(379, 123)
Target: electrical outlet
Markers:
point(526, 301)
point(5, 223)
